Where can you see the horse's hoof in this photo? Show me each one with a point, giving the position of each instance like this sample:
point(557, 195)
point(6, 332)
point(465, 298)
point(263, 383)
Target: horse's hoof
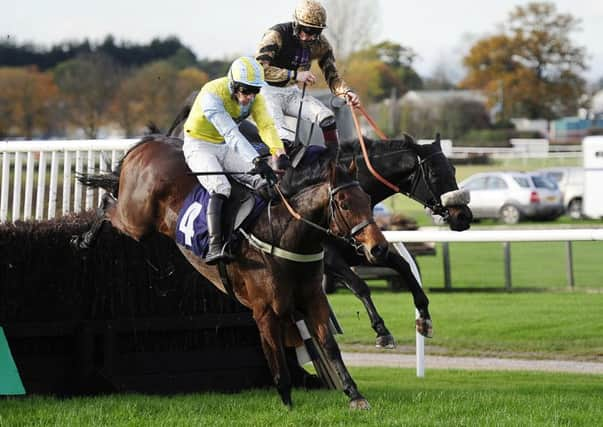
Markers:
point(360, 403)
point(385, 341)
point(424, 327)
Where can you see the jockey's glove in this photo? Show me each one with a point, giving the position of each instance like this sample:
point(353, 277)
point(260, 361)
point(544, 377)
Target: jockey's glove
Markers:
point(283, 162)
point(262, 168)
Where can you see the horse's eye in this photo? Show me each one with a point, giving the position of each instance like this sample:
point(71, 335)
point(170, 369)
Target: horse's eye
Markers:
point(344, 206)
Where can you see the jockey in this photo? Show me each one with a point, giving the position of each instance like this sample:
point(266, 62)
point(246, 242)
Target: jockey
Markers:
point(213, 142)
point(286, 52)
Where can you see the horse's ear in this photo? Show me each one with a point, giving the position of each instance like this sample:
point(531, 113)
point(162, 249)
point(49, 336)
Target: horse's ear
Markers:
point(437, 141)
point(353, 168)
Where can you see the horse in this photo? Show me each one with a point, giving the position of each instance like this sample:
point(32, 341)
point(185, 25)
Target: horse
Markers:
point(421, 172)
point(146, 193)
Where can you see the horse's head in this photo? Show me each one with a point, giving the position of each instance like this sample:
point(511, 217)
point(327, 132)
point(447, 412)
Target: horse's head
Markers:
point(351, 218)
point(341, 205)
point(433, 183)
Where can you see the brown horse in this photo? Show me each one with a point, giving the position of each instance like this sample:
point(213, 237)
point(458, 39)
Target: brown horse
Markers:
point(150, 186)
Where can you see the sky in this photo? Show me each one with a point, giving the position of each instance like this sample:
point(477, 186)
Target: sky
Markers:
point(440, 32)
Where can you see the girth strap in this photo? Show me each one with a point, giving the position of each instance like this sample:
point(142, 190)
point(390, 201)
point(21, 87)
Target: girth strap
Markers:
point(279, 252)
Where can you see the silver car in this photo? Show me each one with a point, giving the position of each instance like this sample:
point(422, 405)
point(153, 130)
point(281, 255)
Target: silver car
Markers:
point(512, 196)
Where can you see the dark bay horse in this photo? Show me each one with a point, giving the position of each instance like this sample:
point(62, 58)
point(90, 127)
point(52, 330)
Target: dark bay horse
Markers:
point(148, 189)
point(422, 172)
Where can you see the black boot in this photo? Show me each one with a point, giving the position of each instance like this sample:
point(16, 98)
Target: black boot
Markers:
point(214, 228)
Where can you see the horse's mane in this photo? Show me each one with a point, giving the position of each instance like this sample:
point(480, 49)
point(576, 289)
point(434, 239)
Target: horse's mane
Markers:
point(351, 148)
point(307, 174)
point(147, 138)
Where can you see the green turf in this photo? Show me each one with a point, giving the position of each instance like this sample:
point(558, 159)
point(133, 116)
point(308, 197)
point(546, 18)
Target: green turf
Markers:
point(528, 325)
point(397, 396)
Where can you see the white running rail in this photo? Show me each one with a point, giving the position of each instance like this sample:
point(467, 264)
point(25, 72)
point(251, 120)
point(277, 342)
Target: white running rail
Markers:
point(66, 158)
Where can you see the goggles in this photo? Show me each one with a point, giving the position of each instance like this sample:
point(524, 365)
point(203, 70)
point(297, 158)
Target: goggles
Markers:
point(311, 31)
point(247, 89)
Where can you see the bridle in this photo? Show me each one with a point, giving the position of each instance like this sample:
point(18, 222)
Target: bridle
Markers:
point(334, 211)
point(352, 231)
point(418, 174)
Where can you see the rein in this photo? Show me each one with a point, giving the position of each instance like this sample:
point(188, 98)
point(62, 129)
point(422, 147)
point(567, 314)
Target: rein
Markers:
point(436, 208)
point(292, 256)
point(349, 239)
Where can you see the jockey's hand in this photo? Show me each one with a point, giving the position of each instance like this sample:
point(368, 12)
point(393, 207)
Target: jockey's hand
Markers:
point(352, 98)
point(283, 162)
point(262, 168)
point(306, 77)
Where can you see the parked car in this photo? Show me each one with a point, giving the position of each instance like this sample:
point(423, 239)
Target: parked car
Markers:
point(512, 196)
point(571, 183)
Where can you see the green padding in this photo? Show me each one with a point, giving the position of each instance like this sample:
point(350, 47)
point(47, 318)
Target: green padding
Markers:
point(10, 381)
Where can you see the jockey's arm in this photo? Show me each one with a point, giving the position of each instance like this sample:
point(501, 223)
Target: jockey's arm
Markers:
point(214, 110)
point(337, 85)
point(266, 126)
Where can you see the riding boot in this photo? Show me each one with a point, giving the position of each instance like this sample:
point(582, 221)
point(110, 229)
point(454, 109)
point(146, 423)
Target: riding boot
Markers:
point(329, 133)
point(215, 252)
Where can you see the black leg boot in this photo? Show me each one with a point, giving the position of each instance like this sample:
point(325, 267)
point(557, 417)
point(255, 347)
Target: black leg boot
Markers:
point(214, 228)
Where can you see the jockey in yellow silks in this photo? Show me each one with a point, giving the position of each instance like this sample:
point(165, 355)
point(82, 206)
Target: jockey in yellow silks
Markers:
point(213, 142)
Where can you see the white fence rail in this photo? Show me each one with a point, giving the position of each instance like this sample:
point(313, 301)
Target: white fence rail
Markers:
point(66, 158)
point(504, 236)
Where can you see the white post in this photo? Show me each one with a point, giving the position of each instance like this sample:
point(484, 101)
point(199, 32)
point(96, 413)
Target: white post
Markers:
point(41, 186)
point(17, 186)
point(4, 191)
point(420, 340)
point(52, 192)
point(66, 181)
point(29, 177)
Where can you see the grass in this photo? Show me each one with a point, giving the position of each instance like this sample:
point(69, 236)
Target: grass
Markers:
point(549, 325)
point(533, 265)
point(397, 396)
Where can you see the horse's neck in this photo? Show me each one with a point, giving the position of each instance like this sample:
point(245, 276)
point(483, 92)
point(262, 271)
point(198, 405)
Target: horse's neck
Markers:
point(295, 235)
point(395, 166)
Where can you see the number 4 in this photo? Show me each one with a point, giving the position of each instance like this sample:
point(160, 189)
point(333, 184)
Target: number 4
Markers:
point(188, 221)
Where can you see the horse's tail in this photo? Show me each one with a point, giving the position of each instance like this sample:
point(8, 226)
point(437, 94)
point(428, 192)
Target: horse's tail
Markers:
point(107, 181)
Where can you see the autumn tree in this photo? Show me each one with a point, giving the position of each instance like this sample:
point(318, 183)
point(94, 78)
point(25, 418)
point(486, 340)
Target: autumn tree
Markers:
point(87, 84)
point(26, 99)
point(154, 93)
point(531, 67)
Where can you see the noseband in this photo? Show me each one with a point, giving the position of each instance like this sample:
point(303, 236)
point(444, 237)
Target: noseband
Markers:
point(421, 173)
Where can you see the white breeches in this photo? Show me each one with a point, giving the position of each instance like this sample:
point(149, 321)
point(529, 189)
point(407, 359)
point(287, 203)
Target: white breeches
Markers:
point(202, 156)
point(284, 101)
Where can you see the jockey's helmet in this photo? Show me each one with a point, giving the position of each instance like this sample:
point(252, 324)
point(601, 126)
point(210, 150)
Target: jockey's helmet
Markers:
point(246, 72)
point(310, 14)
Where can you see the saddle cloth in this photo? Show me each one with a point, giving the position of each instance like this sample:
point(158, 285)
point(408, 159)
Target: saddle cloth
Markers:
point(240, 210)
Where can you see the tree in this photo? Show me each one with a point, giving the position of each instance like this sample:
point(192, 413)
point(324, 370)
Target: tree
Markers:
point(87, 85)
point(351, 24)
point(26, 99)
point(391, 62)
point(532, 64)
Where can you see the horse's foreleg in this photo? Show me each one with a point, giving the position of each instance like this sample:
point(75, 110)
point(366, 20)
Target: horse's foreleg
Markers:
point(317, 316)
point(271, 335)
point(337, 267)
point(423, 323)
point(88, 238)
